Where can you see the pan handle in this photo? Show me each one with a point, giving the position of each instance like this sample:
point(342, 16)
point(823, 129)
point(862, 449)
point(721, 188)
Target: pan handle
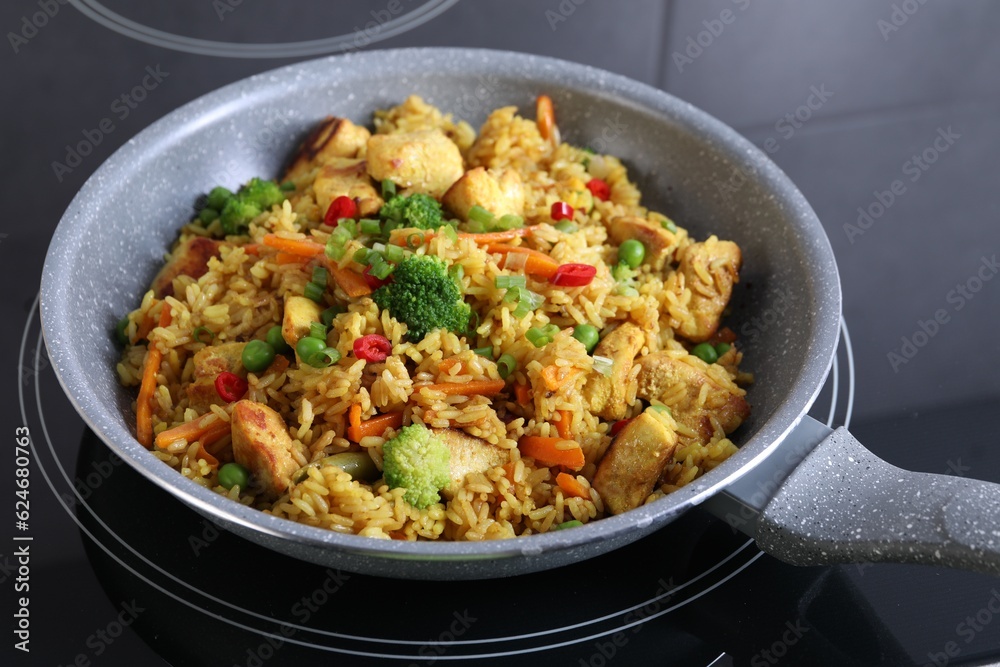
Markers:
point(843, 504)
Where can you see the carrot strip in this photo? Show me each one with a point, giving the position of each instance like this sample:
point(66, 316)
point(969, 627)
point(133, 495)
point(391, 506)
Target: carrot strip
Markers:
point(351, 282)
point(556, 376)
point(289, 258)
point(571, 486)
point(208, 429)
point(278, 366)
point(537, 263)
point(144, 403)
point(545, 117)
point(471, 388)
point(374, 426)
point(354, 416)
point(544, 451)
point(299, 247)
point(564, 423)
point(508, 472)
point(522, 393)
point(447, 364)
point(148, 324)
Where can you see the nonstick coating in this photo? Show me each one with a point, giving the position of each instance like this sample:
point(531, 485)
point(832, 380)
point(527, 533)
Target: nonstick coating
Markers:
point(112, 238)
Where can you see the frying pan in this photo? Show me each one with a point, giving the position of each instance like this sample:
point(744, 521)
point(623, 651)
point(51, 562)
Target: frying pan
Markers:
point(809, 496)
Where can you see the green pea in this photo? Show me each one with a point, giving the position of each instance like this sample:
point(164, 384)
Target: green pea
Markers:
point(588, 335)
point(308, 347)
point(722, 348)
point(120, 331)
point(207, 215)
point(257, 355)
point(632, 252)
point(233, 474)
point(276, 340)
point(705, 352)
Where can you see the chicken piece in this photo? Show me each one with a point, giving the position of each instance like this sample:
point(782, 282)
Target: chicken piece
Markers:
point(300, 313)
point(188, 259)
point(208, 363)
point(469, 454)
point(632, 465)
point(333, 138)
point(347, 177)
point(660, 243)
point(659, 375)
point(606, 394)
point(710, 270)
point(426, 161)
point(501, 194)
point(262, 445)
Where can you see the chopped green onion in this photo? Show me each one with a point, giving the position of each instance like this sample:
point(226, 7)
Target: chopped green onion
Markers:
point(394, 253)
point(450, 232)
point(379, 267)
point(336, 252)
point(456, 272)
point(340, 236)
point(473, 322)
point(361, 256)
point(573, 523)
point(485, 351)
point(317, 330)
point(479, 214)
point(314, 291)
point(379, 248)
point(509, 221)
point(521, 310)
point(323, 358)
point(414, 240)
point(506, 282)
point(330, 313)
point(541, 336)
point(372, 227)
point(506, 365)
point(566, 227)
point(669, 225)
point(199, 335)
point(388, 189)
point(320, 276)
point(661, 408)
point(603, 365)
point(475, 227)
point(349, 226)
point(288, 186)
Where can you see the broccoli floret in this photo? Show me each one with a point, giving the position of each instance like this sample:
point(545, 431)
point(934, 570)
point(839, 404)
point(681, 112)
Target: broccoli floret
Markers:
point(423, 295)
point(237, 210)
point(418, 461)
point(416, 210)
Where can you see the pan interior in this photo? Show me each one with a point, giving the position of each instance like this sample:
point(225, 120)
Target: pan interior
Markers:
point(115, 233)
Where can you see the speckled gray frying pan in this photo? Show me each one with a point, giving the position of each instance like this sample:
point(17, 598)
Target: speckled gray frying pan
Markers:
point(839, 504)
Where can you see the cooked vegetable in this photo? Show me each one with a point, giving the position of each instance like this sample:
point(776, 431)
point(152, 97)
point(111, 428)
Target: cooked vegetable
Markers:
point(120, 331)
point(276, 340)
point(571, 486)
point(314, 292)
point(418, 461)
point(564, 424)
point(373, 347)
point(231, 387)
point(536, 263)
point(206, 429)
point(588, 335)
point(567, 227)
point(471, 388)
point(143, 405)
point(573, 523)
point(632, 252)
point(414, 211)
point(341, 207)
point(255, 197)
point(552, 451)
point(541, 336)
point(353, 283)
point(573, 275)
point(561, 211)
point(506, 365)
point(300, 247)
point(722, 348)
point(599, 188)
point(233, 474)
point(257, 355)
point(705, 352)
point(424, 296)
point(356, 464)
point(374, 426)
point(217, 198)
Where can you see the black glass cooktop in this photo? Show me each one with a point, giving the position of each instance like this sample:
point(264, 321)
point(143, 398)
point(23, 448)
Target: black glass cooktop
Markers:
point(884, 113)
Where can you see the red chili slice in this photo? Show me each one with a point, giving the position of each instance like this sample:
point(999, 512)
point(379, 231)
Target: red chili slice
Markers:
point(341, 207)
point(372, 347)
point(618, 426)
point(372, 281)
point(562, 211)
point(231, 387)
point(573, 275)
point(599, 188)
